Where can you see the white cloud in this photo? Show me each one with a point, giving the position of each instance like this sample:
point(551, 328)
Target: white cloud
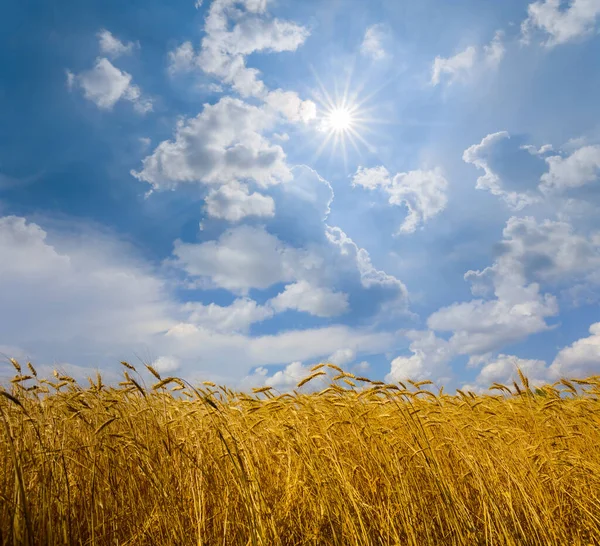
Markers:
point(237, 353)
point(370, 277)
point(291, 105)
point(519, 309)
point(285, 380)
point(288, 378)
point(429, 360)
point(543, 150)
point(166, 364)
point(376, 177)
point(363, 366)
point(242, 258)
point(74, 294)
point(323, 268)
point(315, 343)
point(223, 53)
point(372, 44)
point(481, 155)
point(105, 85)
point(222, 143)
point(480, 326)
point(580, 359)
point(504, 370)
point(224, 50)
point(318, 301)
point(182, 59)
point(233, 202)
point(562, 24)
point(70, 80)
point(342, 357)
point(547, 251)
point(422, 192)
point(463, 64)
point(79, 373)
point(580, 168)
point(493, 53)
point(577, 361)
point(113, 47)
point(455, 67)
point(81, 292)
point(237, 317)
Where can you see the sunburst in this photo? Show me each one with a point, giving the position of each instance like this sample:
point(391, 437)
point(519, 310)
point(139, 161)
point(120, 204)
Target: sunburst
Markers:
point(342, 119)
point(339, 119)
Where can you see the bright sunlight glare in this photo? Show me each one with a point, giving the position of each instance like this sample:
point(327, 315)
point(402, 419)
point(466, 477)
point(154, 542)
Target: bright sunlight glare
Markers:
point(344, 119)
point(340, 119)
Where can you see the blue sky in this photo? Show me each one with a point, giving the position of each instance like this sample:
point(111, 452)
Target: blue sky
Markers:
point(237, 190)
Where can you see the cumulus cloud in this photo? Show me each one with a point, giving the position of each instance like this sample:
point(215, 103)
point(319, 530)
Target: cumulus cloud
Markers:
point(291, 105)
point(324, 270)
point(547, 252)
point(581, 167)
point(454, 67)
point(166, 364)
point(429, 360)
point(231, 34)
point(182, 59)
point(237, 317)
point(519, 308)
point(105, 85)
point(511, 171)
point(561, 23)
point(395, 299)
point(504, 370)
point(493, 53)
point(461, 66)
point(423, 193)
point(223, 50)
point(224, 142)
point(362, 366)
point(76, 294)
point(113, 47)
point(477, 328)
point(223, 53)
point(372, 44)
point(316, 300)
point(238, 352)
point(233, 202)
point(580, 359)
point(242, 258)
point(248, 257)
point(79, 290)
point(285, 380)
point(480, 326)
point(342, 357)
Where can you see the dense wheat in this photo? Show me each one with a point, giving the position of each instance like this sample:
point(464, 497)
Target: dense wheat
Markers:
point(369, 464)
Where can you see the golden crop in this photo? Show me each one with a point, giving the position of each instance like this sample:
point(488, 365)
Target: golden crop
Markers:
point(359, 463)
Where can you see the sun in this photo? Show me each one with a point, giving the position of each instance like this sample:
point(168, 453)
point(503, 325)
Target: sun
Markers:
point(339, 119)
point(343, 120)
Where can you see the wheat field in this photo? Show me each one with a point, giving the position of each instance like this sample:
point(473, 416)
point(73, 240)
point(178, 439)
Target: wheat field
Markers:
point(356, 463)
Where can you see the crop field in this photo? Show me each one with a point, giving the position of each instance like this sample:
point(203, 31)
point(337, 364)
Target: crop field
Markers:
point(357, 462)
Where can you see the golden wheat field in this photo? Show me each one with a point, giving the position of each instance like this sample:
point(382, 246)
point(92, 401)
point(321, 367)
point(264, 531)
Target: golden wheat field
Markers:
point(358, 463)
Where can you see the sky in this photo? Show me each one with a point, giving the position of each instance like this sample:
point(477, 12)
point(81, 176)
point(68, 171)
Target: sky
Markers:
point(237, 190)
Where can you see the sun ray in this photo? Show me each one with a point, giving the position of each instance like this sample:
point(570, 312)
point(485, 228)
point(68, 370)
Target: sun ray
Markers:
point(345, 117)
